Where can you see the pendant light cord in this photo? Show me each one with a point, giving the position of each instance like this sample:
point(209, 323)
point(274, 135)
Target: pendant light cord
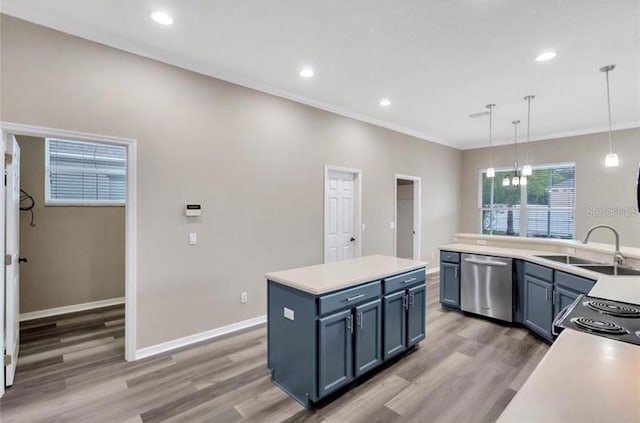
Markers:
point(515, 125)
point(609, 110)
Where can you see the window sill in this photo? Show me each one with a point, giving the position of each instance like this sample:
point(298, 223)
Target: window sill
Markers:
point(72, 204)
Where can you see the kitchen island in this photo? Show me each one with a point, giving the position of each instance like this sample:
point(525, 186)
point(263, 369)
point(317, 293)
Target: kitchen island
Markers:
point(329, 324)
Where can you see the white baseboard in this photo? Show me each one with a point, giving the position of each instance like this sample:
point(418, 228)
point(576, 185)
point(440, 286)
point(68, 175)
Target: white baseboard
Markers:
point(198, 337)
point(433, 271)
point(70, 309)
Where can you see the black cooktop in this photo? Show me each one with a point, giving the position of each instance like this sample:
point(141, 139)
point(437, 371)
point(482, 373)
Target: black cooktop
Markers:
point(611, 319)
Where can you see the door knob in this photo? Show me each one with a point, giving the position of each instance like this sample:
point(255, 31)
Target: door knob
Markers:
point(22, 260)
point(352, 239)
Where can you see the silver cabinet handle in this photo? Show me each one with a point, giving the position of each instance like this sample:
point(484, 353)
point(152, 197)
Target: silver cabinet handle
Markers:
point(405, 301)
point(486, 262)
point(411, 299)
point(455, 274)
point(410, 280)
point(355, 297)
point(350, 323)
point(361, 320)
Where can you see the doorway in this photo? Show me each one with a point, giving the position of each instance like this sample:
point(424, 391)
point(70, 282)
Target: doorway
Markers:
point(342, 213)
point(408, 217)
point(10, 295)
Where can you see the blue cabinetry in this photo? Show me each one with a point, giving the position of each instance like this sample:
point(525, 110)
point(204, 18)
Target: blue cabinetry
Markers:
point(450, 279)
point(319, 344)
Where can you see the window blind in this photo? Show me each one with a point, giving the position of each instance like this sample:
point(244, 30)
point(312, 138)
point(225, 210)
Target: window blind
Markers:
point(85, 173)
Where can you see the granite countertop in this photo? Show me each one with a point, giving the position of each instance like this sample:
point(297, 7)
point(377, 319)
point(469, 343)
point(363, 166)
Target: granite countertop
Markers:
point(583, 377)
point(323, 278)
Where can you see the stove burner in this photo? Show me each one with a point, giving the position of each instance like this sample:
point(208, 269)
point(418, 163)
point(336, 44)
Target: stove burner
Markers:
point(613, 309)
point(601, 326)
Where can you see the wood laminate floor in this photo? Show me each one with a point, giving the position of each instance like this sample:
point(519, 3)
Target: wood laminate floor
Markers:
point(71, 369)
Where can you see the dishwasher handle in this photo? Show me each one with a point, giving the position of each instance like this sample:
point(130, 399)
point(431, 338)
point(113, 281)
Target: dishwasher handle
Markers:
point(486, 262)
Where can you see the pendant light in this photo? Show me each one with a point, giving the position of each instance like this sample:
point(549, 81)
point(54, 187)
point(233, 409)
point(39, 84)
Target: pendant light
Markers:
point(527, 170)
point(515, 180)
point(611, 160)
point(491, 172)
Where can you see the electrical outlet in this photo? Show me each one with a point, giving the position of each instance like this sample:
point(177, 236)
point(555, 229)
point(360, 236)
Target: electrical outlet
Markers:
point(364, 228)
point(244, 297)
point(571, 250)
point(482, 242)
point(193, 238)
point(392, 225)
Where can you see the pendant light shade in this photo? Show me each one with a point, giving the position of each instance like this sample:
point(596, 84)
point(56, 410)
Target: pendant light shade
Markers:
point(506, 181)
point(491, 172)
point(527, 170)
point(515, 181)
point(611, 160)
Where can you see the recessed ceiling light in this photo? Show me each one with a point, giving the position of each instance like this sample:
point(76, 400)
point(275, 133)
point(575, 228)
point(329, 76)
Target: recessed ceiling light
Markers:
point(163, 18)
point(385, 102)
point(547, 55)
point(307, 73)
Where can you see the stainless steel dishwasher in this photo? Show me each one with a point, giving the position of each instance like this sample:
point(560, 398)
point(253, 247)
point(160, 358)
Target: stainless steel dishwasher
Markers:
point(487, 286)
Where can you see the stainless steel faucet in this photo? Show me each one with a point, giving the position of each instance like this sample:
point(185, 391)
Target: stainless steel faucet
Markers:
point(618, 258)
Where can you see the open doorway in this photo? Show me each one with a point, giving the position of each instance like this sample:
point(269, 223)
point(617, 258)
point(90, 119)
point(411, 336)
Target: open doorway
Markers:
point(69, 214)
point(407, 200)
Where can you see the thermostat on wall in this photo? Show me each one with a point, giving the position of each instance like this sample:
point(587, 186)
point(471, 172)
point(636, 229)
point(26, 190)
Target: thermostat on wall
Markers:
point(193, 210)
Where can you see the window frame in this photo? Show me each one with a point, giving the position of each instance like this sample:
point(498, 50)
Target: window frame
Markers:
point(48, 201)
point(523, 229)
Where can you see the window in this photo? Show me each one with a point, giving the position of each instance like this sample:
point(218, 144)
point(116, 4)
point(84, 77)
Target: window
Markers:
point(84, 173)
point(544, 208)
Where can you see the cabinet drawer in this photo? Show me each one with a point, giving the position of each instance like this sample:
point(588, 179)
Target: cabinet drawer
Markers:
point(395, 283)
point(539, 272)
point(576, 283)
point(348, 297)
point(449, 256)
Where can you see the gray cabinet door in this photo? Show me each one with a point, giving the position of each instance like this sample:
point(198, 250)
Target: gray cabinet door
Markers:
point(368, 339)
point(563, 298)
point(394, 324)
point(335, 352)
point(450, 284)
point(416, 317)
point(538, 311)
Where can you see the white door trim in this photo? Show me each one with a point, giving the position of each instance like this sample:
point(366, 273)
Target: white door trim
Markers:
point(417, 213)
point(7, 128)
point(357, 208)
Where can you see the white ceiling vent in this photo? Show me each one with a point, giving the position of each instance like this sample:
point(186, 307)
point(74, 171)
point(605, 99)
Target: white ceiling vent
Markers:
point(478, 115)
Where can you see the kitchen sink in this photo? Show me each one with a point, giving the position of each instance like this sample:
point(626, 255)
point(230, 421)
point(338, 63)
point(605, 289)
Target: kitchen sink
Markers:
point(608, 269)
point(570, 260)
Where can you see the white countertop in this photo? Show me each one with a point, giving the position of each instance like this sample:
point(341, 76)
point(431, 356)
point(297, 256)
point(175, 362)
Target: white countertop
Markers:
point(582, 378)
point(323, 278)
point(616, 288)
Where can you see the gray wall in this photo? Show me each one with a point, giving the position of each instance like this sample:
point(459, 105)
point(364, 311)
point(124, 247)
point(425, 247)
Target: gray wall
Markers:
point(598, 189)
point(253, 160)
point(76, 254)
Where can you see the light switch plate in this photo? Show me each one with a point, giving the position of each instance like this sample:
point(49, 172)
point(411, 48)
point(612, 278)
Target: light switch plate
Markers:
point(193, 238)
point(288, 313)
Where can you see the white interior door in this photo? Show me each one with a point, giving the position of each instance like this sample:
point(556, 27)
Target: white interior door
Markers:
point(12, 250)
point(340, 216)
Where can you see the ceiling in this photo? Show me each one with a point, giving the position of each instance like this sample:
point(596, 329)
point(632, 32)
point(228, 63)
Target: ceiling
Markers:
point(437, 61)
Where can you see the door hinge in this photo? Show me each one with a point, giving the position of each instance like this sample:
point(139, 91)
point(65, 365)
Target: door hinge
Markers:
point(8, 158)
point(7, 260)
point(7, 360)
